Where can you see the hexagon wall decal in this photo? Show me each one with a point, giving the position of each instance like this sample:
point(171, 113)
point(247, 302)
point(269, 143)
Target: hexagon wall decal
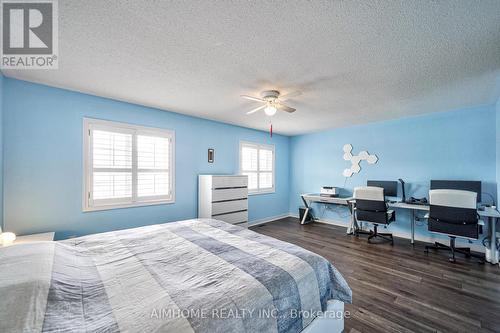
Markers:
point(356, 160)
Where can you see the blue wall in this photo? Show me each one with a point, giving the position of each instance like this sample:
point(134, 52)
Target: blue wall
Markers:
point(1, 150)
point(498, 148)
point(449, 145)
point(43, 161)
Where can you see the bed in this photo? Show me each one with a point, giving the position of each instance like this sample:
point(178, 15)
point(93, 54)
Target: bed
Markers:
point(198, 275)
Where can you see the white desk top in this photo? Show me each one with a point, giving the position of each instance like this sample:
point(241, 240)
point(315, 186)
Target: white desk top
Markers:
point(333, 200)
point(489, 212)
point(405, 205)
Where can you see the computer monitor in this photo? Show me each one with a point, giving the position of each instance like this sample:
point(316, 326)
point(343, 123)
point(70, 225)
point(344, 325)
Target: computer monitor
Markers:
point(465, 185)
point(390, 187)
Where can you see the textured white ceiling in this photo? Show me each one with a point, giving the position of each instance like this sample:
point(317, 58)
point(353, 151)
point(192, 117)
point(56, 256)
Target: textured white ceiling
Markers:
point(355, 61)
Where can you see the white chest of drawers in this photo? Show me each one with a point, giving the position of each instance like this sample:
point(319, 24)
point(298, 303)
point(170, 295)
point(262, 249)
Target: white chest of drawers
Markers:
point(223, 197)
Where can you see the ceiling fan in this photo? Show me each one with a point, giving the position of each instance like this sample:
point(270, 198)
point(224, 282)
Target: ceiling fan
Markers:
point(272, 102)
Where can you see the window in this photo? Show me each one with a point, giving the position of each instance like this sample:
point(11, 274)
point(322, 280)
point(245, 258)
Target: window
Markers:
point(126, 165)
point(257, 162)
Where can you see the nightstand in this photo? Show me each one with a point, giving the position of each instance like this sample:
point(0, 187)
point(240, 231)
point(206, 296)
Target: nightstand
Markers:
point(47, 236)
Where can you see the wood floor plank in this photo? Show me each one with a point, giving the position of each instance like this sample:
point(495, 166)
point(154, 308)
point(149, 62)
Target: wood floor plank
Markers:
point(400, 288)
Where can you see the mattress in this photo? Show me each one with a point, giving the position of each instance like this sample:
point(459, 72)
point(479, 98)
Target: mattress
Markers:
point(197, 275)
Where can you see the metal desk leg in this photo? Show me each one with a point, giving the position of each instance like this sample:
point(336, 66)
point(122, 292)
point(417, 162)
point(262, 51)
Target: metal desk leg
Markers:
point(352, 222)
point(304, 201)
point(308, 211)
point(493, 244)
point(413, 226)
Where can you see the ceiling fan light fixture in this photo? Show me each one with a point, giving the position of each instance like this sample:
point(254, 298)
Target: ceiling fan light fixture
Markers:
point(270, 110)
point(271, 102)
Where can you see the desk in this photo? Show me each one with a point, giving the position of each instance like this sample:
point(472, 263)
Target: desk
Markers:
point(349, 201)
point(492, 215)
point(310, 198)
point(323, 199)
point(488, 212)
point(413, 208)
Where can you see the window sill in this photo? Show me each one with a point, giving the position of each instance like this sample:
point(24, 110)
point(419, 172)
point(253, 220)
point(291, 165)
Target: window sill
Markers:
point(270, 191)
point(134, 205)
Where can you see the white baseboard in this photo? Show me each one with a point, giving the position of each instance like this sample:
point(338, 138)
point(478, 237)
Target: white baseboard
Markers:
point(267, 219)
point(407, 235)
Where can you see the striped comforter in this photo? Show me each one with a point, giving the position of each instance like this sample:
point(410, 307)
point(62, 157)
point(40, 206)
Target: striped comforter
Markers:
point(195, 275)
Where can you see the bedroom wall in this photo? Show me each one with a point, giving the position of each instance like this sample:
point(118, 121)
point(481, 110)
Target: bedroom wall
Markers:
point(1, 151)
point(449, 145)
point(498, 147)
point(43, 161)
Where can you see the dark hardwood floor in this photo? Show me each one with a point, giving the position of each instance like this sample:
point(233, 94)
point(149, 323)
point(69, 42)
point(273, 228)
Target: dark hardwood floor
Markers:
point(399, 288)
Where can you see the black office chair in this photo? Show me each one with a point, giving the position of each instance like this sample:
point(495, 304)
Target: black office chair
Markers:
point(453, 213)
point(371, 207)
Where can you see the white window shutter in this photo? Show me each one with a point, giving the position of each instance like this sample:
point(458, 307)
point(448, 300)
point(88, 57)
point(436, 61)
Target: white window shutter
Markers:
point(249, 158)
point(257, 162)
point(112, 165)
point(127, 165)
point(153, 166)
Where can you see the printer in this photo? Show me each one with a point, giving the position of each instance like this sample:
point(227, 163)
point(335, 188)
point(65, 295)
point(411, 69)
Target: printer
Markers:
point(329, 191)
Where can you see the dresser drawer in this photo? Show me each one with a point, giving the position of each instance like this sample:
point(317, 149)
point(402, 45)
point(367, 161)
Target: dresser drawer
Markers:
point(233, 218)
point(229, 206)
point(228, 182)
point(229, 194)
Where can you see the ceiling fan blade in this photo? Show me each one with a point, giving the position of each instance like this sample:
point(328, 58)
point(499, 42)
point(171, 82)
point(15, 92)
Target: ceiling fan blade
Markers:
point(290, 95)
point(285, 108)
point(253, 98)
point(256, 109)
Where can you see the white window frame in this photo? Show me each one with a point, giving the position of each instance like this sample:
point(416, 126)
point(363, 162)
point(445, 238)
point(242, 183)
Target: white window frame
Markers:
point(90, 124)
point(260, 146)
